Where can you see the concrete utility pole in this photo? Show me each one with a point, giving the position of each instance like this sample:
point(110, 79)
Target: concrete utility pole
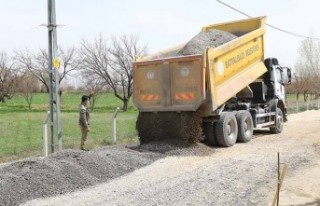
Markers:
point(57, 75)
point(50, 39)
point(52, 57)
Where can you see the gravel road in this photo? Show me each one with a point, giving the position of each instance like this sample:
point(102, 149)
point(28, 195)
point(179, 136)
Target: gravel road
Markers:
point(244, 174)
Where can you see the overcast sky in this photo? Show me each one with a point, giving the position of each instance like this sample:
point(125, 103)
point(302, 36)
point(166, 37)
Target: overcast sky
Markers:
point(160, 24)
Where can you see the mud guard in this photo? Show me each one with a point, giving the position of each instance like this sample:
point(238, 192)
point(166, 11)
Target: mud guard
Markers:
point(279, 103)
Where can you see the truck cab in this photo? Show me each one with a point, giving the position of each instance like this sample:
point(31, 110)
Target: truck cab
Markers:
point(276, 78)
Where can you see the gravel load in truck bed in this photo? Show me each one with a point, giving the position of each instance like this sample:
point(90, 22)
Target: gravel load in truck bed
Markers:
point(197, 45)
point(212, 38)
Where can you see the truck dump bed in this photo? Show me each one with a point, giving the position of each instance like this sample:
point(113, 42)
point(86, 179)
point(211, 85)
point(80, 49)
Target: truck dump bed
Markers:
point(184, 83)
point(174, 84)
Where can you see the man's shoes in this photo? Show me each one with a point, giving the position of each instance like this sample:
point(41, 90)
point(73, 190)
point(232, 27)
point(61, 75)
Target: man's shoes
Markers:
point(84, 149)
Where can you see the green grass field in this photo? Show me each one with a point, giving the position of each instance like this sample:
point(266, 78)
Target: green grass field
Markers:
point(69, 103)
point(21, 129)
point(295, 106)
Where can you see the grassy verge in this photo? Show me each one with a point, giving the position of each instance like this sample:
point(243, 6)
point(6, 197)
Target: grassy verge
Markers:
point(21, 133)
point(21, 129)
point(69, 103)
point(295, 106)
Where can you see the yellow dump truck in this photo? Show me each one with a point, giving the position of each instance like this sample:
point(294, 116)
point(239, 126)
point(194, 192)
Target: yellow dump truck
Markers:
point(220, 94)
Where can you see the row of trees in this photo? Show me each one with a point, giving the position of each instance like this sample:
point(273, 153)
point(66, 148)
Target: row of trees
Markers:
point(107, 65)
point(100, 65)
point(306, 76)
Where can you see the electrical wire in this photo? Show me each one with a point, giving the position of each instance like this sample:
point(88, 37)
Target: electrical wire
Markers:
point(274, 27)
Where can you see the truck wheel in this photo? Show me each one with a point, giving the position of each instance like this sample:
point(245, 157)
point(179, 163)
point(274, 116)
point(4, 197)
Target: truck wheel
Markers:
point(279, 122)
point(227, 129)
point(245, 126)
point(209, 134)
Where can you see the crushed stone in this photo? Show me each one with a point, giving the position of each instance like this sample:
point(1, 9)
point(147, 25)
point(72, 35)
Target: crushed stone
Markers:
point(211, 38)
point(71, 170)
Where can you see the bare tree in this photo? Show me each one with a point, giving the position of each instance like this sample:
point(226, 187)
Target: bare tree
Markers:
point(94, 86)
point(112, 63)
point(299, 86)
point(37, 64)
point(307, 68)
point(28, 85)
point(7, 77)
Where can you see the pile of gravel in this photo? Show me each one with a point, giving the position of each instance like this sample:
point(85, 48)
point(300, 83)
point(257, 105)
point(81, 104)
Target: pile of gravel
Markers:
point(171, 148)
point(65, 172)
point(71, 170)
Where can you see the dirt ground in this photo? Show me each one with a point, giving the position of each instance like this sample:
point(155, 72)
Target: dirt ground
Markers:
point(245, 174)
point(302, 186)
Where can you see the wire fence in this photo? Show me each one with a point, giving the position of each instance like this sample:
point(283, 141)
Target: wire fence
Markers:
point(101, 131)
point(295, 106)
point(22, 134)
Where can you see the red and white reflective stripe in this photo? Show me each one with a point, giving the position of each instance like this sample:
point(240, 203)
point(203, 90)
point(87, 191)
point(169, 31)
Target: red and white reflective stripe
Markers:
point(184, 96)
point(150, 97)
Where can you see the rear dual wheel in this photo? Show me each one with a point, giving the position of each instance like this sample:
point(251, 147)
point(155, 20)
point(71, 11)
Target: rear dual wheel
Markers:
point(245, 126)
point(226, 129)
point(230, 128)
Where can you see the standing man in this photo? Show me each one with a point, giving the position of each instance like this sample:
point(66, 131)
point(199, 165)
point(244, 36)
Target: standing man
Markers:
point(84, 120)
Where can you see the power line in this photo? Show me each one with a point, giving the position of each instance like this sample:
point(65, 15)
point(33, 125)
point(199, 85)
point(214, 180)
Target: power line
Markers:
point(231, 7)
point(274, 27)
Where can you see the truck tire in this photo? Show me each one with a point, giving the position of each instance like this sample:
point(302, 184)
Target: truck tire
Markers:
point(245, 126)
point(210, 138)
point(279, 122)
point(226, 129)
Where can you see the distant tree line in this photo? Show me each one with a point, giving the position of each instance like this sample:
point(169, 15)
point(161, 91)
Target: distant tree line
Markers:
point(106, 65)
point(101, 65)
point(306, 74)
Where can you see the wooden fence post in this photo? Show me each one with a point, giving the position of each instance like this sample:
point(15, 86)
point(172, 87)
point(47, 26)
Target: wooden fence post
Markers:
point(280, 181)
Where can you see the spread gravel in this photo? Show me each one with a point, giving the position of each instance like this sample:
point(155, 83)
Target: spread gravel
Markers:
point(71, 170)
point(245, 174)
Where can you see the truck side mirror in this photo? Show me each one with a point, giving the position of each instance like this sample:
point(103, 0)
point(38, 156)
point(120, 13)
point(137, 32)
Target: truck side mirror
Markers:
point(283, 75)
point(287, 75)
